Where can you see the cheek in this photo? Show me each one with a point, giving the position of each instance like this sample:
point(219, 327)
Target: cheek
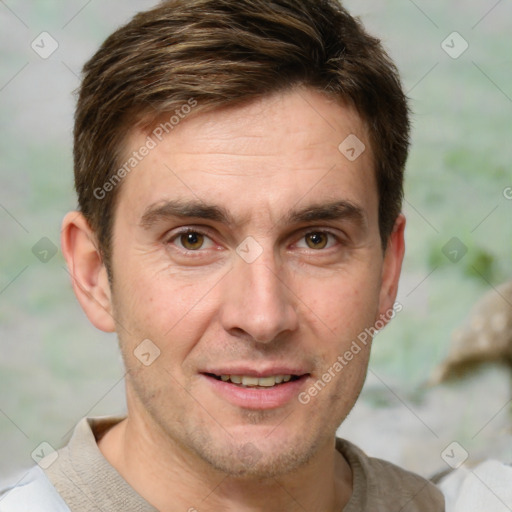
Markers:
point(342, 304)
point(161, 306)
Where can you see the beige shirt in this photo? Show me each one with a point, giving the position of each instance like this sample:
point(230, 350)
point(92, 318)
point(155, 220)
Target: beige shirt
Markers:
point(88, 483)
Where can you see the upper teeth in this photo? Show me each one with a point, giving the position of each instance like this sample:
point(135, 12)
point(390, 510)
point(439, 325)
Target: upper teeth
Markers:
point(246, 380)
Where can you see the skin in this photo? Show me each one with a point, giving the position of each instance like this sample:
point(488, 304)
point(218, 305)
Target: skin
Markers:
point(183, 445)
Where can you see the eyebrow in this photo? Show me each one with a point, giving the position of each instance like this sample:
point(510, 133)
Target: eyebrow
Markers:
point(337, 210)
point(184, 209)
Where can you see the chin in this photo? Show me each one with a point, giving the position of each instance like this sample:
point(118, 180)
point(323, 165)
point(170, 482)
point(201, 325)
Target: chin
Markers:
point(258, 459)
point(263, 466)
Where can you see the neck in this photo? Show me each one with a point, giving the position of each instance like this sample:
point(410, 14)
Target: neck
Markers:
point(171, 478)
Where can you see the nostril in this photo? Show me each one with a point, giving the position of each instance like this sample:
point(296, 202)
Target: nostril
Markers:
point(239, 332)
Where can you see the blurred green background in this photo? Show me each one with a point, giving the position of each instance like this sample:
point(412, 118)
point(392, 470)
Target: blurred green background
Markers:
point(56, 368)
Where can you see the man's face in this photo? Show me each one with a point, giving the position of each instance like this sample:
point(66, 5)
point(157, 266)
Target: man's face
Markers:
point(247, 245)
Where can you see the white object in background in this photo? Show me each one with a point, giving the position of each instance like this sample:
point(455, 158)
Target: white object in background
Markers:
point(486, 487)
point(34, 493)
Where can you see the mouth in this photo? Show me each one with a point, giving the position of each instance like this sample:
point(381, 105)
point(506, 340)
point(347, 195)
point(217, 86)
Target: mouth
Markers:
point(251, 381)
point(247, 388)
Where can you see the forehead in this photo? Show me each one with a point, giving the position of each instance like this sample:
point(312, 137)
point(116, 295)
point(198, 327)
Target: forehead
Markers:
point(263, 158)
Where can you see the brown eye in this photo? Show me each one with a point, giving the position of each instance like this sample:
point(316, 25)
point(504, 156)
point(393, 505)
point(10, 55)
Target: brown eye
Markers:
point(192, 241)
point(317, 240)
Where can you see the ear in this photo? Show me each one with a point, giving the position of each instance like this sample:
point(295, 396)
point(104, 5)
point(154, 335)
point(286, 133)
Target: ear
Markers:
point(391, 268)
point(88, 272)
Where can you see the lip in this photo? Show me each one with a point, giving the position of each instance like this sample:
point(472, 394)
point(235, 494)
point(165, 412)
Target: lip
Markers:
point(256, 398)
point(251, 371)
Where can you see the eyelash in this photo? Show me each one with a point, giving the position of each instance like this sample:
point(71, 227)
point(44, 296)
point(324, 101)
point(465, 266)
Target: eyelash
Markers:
point(175, 236)
point(330, 234)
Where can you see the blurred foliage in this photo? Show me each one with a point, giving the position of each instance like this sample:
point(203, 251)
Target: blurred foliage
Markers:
point(477, 263)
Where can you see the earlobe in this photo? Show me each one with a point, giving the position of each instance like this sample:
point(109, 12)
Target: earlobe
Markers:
point(392, 267)
point(88, 272)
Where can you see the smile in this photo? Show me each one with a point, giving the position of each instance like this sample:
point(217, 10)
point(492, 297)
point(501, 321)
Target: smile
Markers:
point(250, 381)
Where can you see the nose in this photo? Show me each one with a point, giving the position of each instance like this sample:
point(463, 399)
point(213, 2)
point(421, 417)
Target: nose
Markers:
point(257, 303)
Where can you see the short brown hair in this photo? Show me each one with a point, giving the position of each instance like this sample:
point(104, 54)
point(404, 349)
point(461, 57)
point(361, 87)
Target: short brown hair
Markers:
point(224, 52)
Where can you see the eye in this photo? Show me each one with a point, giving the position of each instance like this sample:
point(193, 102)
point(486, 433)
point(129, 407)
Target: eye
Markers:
point(192, 241)
point(317, 240)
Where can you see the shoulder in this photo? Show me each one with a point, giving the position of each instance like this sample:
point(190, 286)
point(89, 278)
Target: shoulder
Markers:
point(34, 493)
point(378, 483)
